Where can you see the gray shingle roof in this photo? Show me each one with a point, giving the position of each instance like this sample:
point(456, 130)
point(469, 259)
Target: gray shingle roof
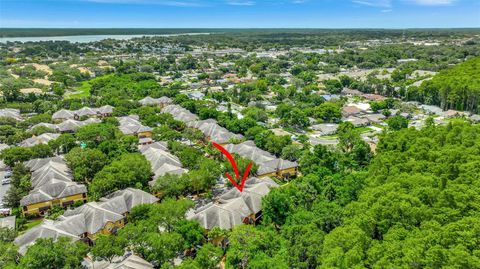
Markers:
point(11, 113)
point(148, 101)
point(180, 113)
point(215, 132)
point(267, 163)
point(47, 229)
point(90, 217)
point(8, 222)
point(65, 114)
point(162, 161)
point(51, 179)
point(326, 128)
point(38, 140)
point(233, 206)
point(130, 125)
point(131, 262)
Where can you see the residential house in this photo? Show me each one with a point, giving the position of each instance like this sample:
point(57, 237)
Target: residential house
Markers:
point(325, 128)
point(11, 113)
point(89, 220)
point(39, 140)
point(131, 261)
point(454, 113)
point(179, 113)
point(475, 118)
point(162, 101)
point(233, 207)
point(196, 95)
point(432, 109)
point(375, 118)
point(130, 125)
point(268, 165)
point(63, 114)
point(8, 222)
point(350, 111)
point(161, 161)
point(100, 112)
point(43, 124)
point(214, 132)
point(373, 97)
point(350, 92)
point(357, 122)
point(71, 126)
point(52, 185)
point(48, 229)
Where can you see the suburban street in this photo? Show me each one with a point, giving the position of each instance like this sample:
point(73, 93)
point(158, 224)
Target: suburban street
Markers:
point(3, 188)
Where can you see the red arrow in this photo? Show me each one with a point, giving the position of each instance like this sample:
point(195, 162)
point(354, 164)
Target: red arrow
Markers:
point(235, 169)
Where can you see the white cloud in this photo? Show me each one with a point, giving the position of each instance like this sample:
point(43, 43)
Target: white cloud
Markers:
point(433, 2)
point(240, 3)
point(374, 3)
point(179, 3)
point(386, 10)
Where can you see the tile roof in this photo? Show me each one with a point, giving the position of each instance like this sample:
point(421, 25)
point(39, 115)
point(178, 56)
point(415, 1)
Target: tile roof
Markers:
point(267, 163)
point(51, 179)
point(233, 206)
point(213, 131)
point(180, 113)
point(88, 218)
point(38, 140)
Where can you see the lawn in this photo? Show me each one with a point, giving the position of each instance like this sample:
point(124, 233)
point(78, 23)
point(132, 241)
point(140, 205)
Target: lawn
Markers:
point(84, 89)
point(30, 224)
point(361, 130)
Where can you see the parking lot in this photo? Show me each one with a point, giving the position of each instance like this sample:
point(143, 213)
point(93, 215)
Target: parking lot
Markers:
point(3, 188)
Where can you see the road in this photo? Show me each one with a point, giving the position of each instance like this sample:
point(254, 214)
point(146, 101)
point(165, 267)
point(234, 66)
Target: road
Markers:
point(3, 188)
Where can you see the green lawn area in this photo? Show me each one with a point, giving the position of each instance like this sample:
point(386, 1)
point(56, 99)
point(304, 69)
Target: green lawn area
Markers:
point(84, 89)
point(362, 130)
point(30, 224)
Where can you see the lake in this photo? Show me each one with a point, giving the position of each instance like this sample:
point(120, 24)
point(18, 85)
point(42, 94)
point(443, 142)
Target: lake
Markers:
point(84, 38)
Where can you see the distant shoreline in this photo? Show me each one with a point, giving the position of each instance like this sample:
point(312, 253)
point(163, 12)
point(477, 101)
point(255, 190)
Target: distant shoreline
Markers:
point(85, 38)
point(52, 32)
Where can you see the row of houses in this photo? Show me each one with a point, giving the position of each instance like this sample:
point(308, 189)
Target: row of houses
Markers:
point(39, 140)
point(162, 101)
point(88, 221)
point(161, 160)
point(67, 126)
point(214, 132)
point(131, 125)
point(53, 185)
point(179, 113)
point(233, 207)
point(65, 114)
point(11, 113)
point(268, 164)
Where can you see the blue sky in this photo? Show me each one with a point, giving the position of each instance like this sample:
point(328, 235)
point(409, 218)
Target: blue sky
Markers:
point(240, 13)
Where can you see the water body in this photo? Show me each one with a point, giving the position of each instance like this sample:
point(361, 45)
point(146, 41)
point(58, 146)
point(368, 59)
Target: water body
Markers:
point(84, 38)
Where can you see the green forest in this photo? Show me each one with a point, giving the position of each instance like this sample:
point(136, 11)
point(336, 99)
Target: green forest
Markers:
point(456, 88)
point(414, 206)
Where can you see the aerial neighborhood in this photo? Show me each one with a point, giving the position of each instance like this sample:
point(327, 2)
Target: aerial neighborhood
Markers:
point(107, 152)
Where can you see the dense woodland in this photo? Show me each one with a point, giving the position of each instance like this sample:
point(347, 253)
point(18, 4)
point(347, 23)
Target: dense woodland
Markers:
point(457, 87)
point(413, 206)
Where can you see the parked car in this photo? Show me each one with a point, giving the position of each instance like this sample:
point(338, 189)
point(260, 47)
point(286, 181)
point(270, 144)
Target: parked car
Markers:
point(8, 174)
point(6, 181)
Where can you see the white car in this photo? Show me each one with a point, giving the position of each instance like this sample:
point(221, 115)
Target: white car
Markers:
point(6, 181)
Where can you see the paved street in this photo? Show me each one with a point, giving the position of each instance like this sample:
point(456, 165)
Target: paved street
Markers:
point(3, 188)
